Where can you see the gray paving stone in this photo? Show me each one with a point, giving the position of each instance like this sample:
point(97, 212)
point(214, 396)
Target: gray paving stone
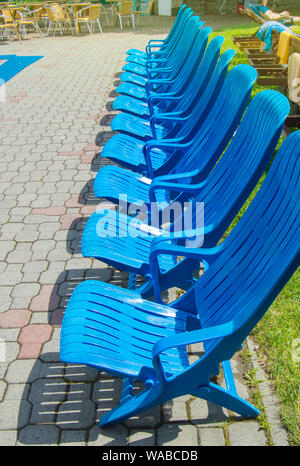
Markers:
point(76, 414)
point(112, 437)
point(206, 413)
point(8, 438)
point(23, 371)
point(3, 386)
point(176, 410)
point(14, 414)
point(71, 438)
point(246, 433)
point(177, 435)
point(79, 373)
point(149, 418)
point(25, 290)
point(144, 438)
point(211, 437)
point(39, 435)
point(17, 391)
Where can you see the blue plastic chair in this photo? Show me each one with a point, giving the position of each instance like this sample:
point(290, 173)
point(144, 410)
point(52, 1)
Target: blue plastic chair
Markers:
point(163, 46)
point(181, 104)
point(160, 157)
point(223, 193)
point(112, 180)
point(114, 330)
point(187, 61)
point(166, 58)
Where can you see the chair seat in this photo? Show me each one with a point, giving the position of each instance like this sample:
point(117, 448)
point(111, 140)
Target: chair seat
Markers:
point(133, 78)
point(128, 104)
point(132, 90)
point(139, 60)
point(121, 241)
point(128, 151)
point(111, 181)
point(135, 69)
point(134, 126)
point(138, 52)
point(114, 330)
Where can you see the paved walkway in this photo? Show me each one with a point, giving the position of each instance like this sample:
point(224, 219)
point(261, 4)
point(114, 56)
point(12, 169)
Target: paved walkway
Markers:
point(52, 126)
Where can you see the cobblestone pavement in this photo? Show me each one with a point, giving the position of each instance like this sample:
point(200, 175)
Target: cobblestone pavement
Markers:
point(53, 125)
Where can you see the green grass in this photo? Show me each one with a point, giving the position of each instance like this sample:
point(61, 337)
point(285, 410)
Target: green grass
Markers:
point(281, 324)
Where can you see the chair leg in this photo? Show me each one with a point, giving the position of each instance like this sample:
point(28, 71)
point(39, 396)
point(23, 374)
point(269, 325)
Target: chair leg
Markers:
point(228, 399)
point(89, 27)
point(133, 26)
point(54, 28)
point(49, 26)
point(146, 399)
point(38, 29)
point(99, 25)
point(121, 26)
point(131, 281)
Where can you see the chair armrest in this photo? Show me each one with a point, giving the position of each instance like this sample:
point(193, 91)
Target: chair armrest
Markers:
point(189, 338)
point(167, 186)
point(171, 144)
point(165, 117)
point(168, 96)
point(166, 246)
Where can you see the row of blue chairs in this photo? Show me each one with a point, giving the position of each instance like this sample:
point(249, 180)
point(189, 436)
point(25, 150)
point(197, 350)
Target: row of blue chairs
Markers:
point(187, 134)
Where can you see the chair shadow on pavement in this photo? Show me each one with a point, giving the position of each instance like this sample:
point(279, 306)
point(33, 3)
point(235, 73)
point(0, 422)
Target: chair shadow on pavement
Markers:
point(67, 401)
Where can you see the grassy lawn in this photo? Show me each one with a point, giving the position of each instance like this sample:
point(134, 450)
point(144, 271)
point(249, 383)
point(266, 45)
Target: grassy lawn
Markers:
point(280, 326)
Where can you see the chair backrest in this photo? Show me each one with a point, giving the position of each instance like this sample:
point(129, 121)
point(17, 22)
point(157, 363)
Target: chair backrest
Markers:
point(254, 262)
point(255, 17)
point(201, 76)
point(176, 30)
point(233, 178)
point(7, 15)
point(145, 7)
point(182, 48)
point(210, 131)
point(52, 15)
point(59, 12)
point(38, 13)
point(195, 54)
point(94, 12)
point(238, 170)
point(125, 8)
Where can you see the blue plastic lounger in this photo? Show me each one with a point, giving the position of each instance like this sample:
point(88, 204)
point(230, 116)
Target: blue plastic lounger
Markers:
point(175, 84)
point(199, 155)
point(160, 157)
point(114, 330)
point(162, 61)
point(161, 45)
point(107, 234)
point(164, 45)
point(167, 64)
point(187, 61)
point(183, 103)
